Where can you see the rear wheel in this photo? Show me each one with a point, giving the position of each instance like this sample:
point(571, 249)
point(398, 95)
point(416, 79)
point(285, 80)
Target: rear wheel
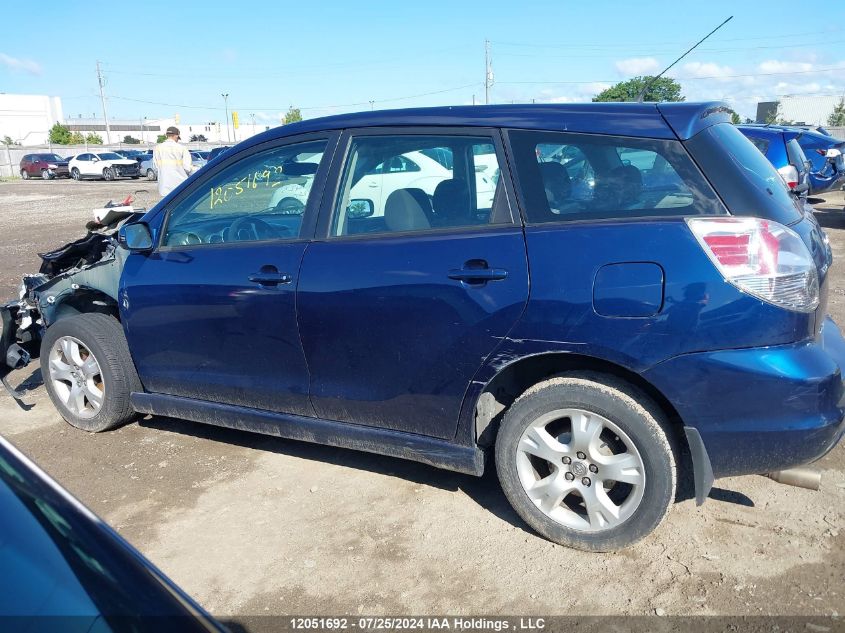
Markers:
point(585, 460)
point(24, 174)
point(88, 371)
point(151, 175)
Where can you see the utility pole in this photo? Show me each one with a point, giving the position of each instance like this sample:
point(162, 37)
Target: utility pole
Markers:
point(102, 83)
point(488, 71)
point(252, 116)
point(372, 105)
point(226, 107)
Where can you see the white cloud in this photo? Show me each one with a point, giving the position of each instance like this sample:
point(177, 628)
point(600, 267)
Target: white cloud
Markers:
point(707, 69)
point(777, 66)
point(17, 65)
point(637, 66)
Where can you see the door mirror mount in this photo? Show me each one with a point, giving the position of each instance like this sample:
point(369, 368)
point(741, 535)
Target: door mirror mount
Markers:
point(135, 237)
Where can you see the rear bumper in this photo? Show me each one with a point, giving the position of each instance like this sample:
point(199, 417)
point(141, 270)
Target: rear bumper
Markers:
point(761, 409)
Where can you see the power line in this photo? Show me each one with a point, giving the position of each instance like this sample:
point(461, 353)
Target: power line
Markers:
point(613, 81)
point(322, 107)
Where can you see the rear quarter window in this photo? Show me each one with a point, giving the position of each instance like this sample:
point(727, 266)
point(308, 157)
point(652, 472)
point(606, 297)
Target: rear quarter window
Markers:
point(564, 176)
point(744, 178)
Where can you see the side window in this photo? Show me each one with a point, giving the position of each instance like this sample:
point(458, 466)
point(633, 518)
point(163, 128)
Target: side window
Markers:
point(396, 184)
point(564, 176)
point(260, 197)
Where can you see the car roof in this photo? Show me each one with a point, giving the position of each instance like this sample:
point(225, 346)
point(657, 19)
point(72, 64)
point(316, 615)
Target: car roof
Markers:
point(651, 120)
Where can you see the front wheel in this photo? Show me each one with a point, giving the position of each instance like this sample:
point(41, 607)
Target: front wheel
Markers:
point(151, 175)
point(108, 173)
point(585, 460)
point(88, 371)
point(74, 173)
point(45, 175)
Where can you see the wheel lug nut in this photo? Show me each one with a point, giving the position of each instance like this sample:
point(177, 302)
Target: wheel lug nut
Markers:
point(594, 468)
point(586, 481)
point(567, 460)
point(569, 476)
point(581, 455)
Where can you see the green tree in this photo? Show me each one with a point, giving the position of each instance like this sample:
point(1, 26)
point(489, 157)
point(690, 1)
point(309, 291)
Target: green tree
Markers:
point(76, 138)
point(837, 117)
point(663, 89)
point(7, 140)
point(161, 138)
point(94, 139)
point(60, 134)
point(775, 117)
point(131, 140)
point(198, 138)
point(292, 116)
point(735, 118)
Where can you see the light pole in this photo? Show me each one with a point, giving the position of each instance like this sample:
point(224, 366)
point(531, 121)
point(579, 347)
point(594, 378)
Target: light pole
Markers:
point(226, 107)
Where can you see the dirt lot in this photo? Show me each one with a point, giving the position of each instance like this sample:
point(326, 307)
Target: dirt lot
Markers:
point(256, 525)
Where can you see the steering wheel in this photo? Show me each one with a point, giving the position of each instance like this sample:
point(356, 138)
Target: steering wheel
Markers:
point(260, 230)
point(290, 206)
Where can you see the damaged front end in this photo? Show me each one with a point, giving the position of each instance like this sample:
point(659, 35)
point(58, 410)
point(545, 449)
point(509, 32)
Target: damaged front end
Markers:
point(81, 276)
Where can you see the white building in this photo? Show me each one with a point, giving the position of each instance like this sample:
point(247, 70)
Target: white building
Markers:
point(804, 110)
point(27, 119)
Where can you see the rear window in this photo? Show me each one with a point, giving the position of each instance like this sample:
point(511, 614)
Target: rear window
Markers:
point(564, 176)
point(747, 182)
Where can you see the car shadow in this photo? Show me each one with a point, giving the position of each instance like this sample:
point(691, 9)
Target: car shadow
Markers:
point(731, 496)
point(830, 218)
point(484, 490)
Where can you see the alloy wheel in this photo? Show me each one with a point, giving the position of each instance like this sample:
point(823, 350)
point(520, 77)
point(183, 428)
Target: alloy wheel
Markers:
point(76, 377)
point(580, 469)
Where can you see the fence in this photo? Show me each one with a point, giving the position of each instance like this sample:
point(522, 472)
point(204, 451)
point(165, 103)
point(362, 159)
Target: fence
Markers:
point(10, 157)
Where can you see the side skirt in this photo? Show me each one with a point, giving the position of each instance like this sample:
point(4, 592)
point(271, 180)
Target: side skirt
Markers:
point(419, 448)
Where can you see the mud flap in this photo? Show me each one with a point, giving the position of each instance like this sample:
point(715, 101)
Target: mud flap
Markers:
point(702, 470)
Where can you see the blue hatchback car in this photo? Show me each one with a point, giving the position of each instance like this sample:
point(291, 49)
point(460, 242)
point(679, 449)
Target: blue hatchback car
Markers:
point(778, 142)
point(634, 299)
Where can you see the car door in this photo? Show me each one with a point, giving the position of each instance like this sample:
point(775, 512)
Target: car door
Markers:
point(86, 164)
point(397, 312)
point(210, 314)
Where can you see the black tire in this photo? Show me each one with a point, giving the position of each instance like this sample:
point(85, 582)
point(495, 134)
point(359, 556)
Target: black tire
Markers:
point(74, 173)
point(24, 174)
point(45, 175)
point(108, 174)
point(629, 409)
point(103, 336)
point(151, 175)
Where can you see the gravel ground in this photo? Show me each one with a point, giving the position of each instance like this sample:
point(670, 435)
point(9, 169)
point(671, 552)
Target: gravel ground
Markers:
point(255, 525)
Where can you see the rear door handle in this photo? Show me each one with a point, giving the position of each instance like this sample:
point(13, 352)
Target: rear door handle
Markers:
point(478, 275)
point(268, 278)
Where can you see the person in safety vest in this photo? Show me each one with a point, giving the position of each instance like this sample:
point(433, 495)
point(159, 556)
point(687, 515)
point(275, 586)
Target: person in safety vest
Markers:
point(172, 162)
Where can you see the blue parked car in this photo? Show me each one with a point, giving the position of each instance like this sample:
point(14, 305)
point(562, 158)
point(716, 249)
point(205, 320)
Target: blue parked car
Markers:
point(66, 570)
point(639, 300)
point(826, 173)
point(785, 153)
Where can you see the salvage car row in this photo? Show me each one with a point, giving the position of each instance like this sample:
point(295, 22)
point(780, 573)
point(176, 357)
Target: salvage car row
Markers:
point(99, 165)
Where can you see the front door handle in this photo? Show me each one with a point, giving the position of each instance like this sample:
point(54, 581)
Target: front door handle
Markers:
point(270, 276)
point(477, 272)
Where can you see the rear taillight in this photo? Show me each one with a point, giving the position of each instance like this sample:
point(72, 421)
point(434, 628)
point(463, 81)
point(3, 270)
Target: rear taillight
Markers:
point(789, 175)
point(762, 258)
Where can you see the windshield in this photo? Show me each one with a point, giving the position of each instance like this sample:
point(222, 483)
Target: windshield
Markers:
point(50, 157)
point(109, 156)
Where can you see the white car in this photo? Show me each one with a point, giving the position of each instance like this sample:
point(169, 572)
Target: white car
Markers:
point(105, 165)
point(412, 170)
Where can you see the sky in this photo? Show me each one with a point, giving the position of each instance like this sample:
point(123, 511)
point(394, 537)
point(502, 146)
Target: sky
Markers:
point(160, 59)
